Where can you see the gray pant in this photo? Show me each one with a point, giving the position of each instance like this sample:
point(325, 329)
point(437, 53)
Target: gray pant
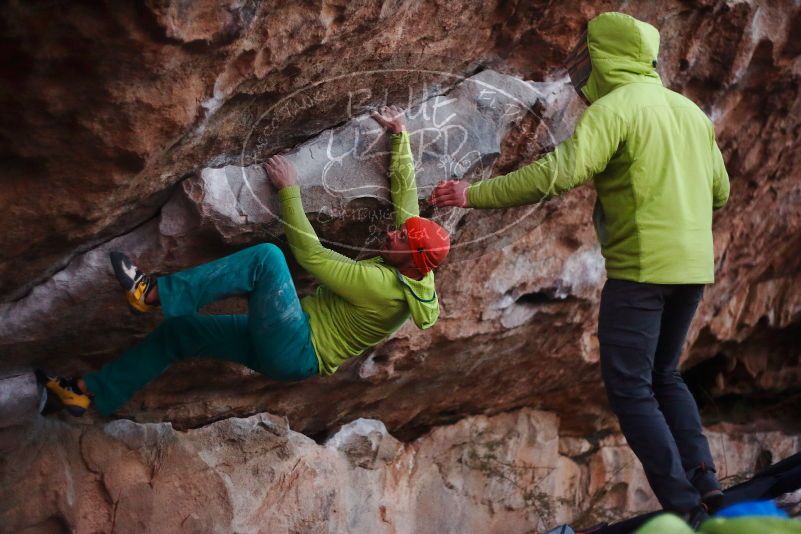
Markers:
point(641, 329)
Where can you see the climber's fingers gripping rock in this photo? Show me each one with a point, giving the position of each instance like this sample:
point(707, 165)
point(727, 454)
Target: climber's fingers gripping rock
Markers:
point(450, 193)
point(391, 118)
point(281, 172)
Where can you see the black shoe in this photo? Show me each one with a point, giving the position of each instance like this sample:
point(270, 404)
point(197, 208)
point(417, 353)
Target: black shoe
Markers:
point(63, 394)
point(696, 516)
point(713, 501)
point(135, 283)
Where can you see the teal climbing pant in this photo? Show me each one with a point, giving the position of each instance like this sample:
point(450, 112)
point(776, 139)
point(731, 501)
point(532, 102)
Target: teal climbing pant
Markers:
point(273, 338)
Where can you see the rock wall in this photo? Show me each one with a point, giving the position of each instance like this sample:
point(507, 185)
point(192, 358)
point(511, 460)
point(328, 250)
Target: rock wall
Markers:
point(139, 128)
point(507, 473)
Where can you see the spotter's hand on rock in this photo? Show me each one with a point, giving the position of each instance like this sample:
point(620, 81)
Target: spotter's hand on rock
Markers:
point(450, 193)
point(281, 172)
point(391, 118)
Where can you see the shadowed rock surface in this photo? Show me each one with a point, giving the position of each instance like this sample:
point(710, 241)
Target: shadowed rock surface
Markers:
point(139, 128)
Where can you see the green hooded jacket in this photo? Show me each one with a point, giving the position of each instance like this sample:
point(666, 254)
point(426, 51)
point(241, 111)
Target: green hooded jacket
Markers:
point(360, 303)
point(671, 524)
point(651, 153)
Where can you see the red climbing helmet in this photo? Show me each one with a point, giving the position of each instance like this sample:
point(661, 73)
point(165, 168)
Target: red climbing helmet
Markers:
point(429, 243)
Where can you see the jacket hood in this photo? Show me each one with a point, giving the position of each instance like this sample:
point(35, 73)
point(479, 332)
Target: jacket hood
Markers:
point(421, 296)
point(622, 50)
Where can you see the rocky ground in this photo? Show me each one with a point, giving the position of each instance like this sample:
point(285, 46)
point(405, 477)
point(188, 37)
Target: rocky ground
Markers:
point(510, 472)
point(140, 128)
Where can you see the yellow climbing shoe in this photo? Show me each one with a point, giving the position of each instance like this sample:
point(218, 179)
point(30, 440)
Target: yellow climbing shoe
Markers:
point(136, 297)
point(136, 283)
point(63, 394)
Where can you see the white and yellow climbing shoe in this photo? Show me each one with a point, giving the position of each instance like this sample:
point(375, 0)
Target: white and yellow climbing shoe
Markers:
point(135, 282)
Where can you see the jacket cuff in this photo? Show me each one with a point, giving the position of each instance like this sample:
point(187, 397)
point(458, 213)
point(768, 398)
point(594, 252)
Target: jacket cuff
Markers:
point(397, 138)
point(470, 192)
point(290, 192)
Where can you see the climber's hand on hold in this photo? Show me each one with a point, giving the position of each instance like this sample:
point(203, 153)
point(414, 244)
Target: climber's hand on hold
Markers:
point(281, 172)
point(450, 193)
point(391, 118)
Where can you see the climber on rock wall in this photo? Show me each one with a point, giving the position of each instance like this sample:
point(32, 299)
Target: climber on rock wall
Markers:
point(357, 305)
point(659, 174)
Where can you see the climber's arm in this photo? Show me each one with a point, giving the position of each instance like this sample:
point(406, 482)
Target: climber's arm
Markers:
point(720, 178)
point(357, 282)
point(403, 186)
point(598, 135)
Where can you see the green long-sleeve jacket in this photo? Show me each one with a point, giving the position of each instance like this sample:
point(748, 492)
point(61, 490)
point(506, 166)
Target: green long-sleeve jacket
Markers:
point(651, 153)
point(360, 303)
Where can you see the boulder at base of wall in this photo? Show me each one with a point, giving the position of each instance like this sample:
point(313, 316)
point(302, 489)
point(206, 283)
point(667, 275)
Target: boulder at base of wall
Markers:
point(21, 400)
